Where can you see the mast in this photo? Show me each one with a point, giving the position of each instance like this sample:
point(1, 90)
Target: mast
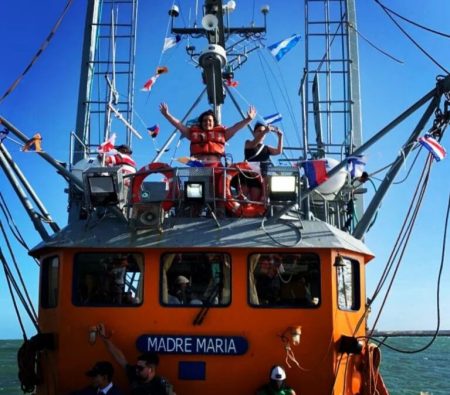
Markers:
point(331, 90)
point(107, 68)
point(213, 60)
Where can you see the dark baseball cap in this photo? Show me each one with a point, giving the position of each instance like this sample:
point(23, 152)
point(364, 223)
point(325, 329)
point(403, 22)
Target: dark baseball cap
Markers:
point(103, 368)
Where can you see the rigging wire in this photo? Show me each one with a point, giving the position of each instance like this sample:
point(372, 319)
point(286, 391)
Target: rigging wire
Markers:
point(412, 22)
point(22, 282)
point(385, 9)
point(373, 45)
point(12, 225)
point(41, 49)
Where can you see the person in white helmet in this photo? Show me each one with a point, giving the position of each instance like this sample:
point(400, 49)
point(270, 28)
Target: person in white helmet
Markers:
point(277, 384)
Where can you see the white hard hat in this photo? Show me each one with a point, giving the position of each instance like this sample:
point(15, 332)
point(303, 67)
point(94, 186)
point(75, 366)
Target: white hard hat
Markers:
point(278, 373)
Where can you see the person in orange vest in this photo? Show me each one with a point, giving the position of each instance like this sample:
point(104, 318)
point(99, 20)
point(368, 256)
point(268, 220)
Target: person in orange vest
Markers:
point(208, 137)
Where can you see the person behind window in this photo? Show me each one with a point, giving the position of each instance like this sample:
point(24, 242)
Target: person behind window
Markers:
point(142, 376)
point(101, 376)
point(277, 384)
point(118, 273)
point(208, 137)
point(180, 293)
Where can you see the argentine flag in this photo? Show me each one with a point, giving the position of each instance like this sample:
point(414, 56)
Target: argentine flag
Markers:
point(280, 48)
point(270, 119)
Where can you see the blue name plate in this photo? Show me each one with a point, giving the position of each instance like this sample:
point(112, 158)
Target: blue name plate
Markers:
point(194, 345)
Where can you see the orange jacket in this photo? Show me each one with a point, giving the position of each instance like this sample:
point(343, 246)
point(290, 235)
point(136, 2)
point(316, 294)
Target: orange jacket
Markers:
point(207, 142)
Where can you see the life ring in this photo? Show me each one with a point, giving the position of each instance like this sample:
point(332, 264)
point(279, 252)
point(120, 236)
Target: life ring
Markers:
point(235, 205)
point(156, 167)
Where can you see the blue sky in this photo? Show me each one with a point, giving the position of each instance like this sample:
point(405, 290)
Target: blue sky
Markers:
point(46, 101)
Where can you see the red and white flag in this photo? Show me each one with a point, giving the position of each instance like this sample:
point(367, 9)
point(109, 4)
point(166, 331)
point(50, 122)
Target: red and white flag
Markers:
point(149, 84)
point(108, 145)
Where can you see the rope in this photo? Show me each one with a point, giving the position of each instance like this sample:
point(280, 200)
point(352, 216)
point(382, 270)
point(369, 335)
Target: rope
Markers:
point(14, 229)
point(41, 49)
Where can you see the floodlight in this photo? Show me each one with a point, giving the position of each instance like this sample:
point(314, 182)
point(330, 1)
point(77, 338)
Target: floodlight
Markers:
point(265, 9)
point(230, 6)
point(283, 188)
point(194, 191)
point(103, 190)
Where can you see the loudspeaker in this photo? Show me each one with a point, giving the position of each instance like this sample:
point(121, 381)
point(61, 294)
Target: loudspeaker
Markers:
point(210, 22)
point(147, 216)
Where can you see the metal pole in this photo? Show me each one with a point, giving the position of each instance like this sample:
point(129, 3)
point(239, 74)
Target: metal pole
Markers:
point(174, 133)
point(366, 219)
point(23, 198)
point(28, 188)
point(61, 169)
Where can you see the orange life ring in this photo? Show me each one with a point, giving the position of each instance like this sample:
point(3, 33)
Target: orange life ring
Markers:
point(234, 205)
point(156, 167)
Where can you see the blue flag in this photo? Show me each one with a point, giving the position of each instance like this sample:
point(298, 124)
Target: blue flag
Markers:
point(281, 48)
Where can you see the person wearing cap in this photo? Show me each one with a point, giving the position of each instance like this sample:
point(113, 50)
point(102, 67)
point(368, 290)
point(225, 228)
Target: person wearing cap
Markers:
point(142, 376)
point(180, 293)
point(277, 384)
point(121, 156)
point(101, 375)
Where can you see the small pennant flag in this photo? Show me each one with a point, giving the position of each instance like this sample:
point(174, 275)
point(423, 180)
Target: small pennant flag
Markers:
point(108, 145)
point(153, 130)
point(431, 144)
point(269, 120)
point(190, 162)
point(33, 144)
point(3, 134)
point(161, 70)
point(315, 172)
point(170, 42)
point(281, 48)
point(149, 84)
point(232, 83)
point(355, 165)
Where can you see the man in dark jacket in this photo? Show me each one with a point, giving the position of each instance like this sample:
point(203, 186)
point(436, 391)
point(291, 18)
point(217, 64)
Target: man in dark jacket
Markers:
point(101, 375)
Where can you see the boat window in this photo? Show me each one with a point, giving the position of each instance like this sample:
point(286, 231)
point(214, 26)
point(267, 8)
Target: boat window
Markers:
point(195, 279)
point(348, 284)
point(49, 282)
point(108, 279)
point(284, 280)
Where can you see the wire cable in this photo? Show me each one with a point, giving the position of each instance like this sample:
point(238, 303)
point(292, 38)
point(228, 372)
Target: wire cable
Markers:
point(412, 39)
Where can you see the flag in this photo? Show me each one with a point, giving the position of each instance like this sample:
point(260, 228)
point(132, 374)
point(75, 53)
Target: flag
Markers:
point(108, 145)
point(355, 165)
point(315, 171)
point(280, 48)
point(161, 70)
point(190, 162)
point(431, 144)
point(33, 144)
point(153, 130)
point(170, 42)
point(232, 83)
point(149, 84)
point(272, 118)
point(3, 134)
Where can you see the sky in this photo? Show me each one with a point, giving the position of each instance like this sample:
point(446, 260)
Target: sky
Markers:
point(46, 101)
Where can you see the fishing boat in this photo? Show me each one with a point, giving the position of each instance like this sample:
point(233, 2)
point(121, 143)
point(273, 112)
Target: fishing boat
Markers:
point(178, 260)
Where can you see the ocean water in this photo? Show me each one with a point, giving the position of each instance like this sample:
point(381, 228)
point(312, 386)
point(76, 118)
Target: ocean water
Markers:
point(423, 373)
